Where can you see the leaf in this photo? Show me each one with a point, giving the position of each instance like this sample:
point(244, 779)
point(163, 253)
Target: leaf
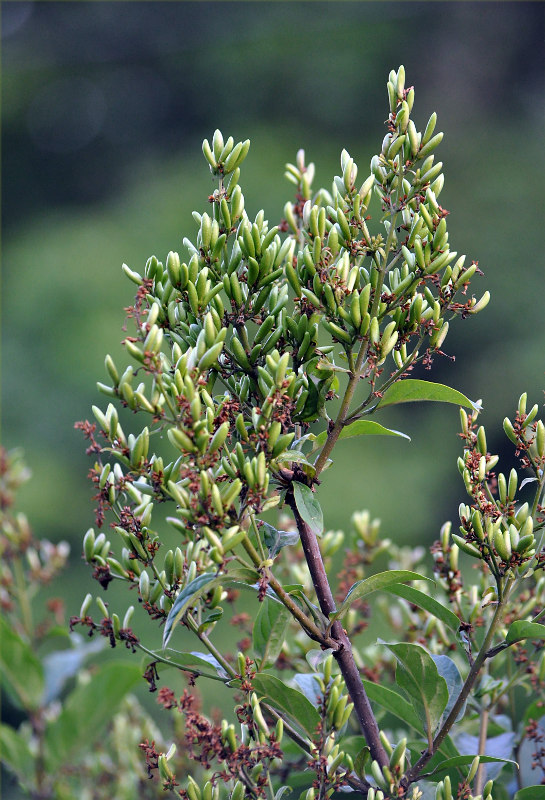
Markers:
point(382, 580)
point(463, 761)
point(524, 630)
point(295, 456)
point(199, 586)
point(275, 540)
point(20, 670)
point(61, 665)
point(15, 753)
point(393, 702)
point(530, 793)
point(269, 631)
point(308, 507)
point(411, 390)
point(309, 686)
point(195, 659)
point(87, 711)
point(287, 700)
point(499, 747)
point(362, 427)
point(450, 672)
point(418, 677)
point(429, 604)
point(315, 658)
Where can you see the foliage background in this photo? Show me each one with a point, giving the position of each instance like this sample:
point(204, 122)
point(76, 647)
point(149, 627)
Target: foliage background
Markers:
point(104, 107)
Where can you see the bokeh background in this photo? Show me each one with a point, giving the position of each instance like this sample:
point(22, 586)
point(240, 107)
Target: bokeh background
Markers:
point(104, 107)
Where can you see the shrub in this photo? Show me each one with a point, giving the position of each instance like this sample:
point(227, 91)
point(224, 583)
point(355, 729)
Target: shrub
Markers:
point(247, 365)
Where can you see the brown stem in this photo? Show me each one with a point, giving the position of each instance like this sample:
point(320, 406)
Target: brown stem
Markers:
point(343, 652)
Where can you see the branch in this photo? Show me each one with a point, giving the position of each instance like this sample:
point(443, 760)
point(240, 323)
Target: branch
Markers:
point(343, 650)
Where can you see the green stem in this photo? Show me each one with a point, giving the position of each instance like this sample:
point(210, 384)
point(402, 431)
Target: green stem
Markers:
point(210, 647)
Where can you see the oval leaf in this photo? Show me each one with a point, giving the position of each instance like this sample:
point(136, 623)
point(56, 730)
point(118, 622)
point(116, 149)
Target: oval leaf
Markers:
point(524, 630)
point(382, 580)
point(269, 631)
point(200, 585)
point(287, 700)
point(362, 427)
point(464, 761)
point(418, 676)
point(531, 793)
point(308, 507)
point(393, 702)
point(411, 390)
point(429, 604)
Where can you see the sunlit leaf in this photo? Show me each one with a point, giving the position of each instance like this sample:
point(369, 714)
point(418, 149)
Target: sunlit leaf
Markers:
point(382, 580)
point(411, 390)
point(362, 427)
point(524, 630)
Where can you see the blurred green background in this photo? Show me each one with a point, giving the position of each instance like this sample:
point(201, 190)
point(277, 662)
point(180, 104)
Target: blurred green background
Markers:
point(104, 107)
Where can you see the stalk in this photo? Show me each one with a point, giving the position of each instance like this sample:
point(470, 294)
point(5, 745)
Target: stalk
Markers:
point(343, 648)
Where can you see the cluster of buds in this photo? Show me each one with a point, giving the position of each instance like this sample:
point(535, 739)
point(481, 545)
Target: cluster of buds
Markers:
point(493, 529)
point(339, 274)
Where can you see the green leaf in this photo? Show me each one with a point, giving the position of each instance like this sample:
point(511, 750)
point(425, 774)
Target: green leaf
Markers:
point(287, 700)
point(295, 456)
point(269, 631)
point(393, 702)
point(201, 661)
point(15, 754)
point(410, 390)
point(87, 711)
point(418, 677)
point(382, 580)
point(450, 672)
point(530, 793)
point(362, 427)
point(308, 507)
point(463, 761)
point(275, 540)
point(199, 586)
point(429, 604)
point(21, 672)
point(524, 630)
